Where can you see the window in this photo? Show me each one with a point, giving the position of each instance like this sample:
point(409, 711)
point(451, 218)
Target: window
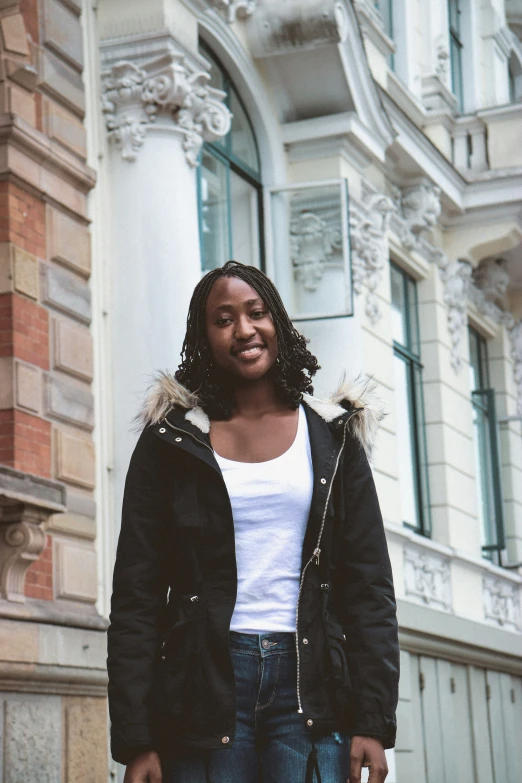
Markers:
point(385, 8)
point(229, 186)
point(487, 452)
point(412, 463)
point(455, 42)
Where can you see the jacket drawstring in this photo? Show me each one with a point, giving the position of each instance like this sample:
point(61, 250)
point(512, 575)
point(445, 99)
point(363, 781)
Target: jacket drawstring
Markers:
point(312, 765)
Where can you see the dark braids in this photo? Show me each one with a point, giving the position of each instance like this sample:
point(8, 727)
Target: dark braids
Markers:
point(294, 367)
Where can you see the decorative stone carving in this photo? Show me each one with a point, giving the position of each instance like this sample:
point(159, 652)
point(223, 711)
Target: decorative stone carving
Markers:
point(442, 58)
point(313, 243)
point(501, 603)
point(456, 277)
point(235, 9)
point(515, 334)
point(369, 248)
point(420, 206)
point(22, 540)
point(281, 28)
point(135, 97)
point(33, 730)
point(492, 278)
point(427, 578)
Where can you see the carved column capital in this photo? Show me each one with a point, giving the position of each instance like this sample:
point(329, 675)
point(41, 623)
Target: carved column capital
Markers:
point(369, 247)
point(134, 97)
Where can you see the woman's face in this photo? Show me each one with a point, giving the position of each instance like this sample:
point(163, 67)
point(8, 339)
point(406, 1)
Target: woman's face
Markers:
point(240, 330)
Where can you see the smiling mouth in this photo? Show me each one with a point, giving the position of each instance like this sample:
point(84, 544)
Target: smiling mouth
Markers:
point(250, 352)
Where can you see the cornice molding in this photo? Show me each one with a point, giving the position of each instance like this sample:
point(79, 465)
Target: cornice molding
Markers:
point(234, 9)
point(135, 96)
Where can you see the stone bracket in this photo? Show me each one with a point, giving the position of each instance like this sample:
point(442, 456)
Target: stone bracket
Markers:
point(26, 502)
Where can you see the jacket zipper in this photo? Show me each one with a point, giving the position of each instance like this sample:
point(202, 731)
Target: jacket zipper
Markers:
point(316, 554)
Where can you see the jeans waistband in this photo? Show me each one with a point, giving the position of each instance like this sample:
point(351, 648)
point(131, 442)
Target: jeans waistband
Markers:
point(263, 643)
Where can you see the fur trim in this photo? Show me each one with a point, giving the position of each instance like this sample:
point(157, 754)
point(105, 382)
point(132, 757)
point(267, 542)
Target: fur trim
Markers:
point(166, 392)
point(361, 393)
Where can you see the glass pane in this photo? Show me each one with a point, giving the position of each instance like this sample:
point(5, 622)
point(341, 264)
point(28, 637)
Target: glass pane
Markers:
point(454, 15)
point(456, 71)
point(386, 9)
point(413, 316)
point(217, 79)
point(244, 207)
point(474, 361)
point(243, 141)
point(214, 219)
point(405, 441)
point(423, 452)
point(484, 472)
point(398, 311)
point(310, 249)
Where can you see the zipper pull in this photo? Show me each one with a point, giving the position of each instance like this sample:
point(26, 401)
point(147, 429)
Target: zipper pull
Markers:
point(317, 554)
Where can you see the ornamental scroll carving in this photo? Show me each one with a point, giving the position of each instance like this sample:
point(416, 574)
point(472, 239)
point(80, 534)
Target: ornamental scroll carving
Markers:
point(369, 248)
point(501, 603)
point(235, 9)
point(134, 97)
point(456, 277)
point(427, 578)
point(22, 542)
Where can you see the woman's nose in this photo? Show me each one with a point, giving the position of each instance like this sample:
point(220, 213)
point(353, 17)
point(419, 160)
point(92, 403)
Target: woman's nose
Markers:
point(244, 329)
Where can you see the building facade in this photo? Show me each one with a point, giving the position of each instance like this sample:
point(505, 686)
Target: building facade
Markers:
point(368, 156)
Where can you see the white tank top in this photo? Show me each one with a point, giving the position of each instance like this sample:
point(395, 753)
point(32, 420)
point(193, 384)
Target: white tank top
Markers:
point(270, 506)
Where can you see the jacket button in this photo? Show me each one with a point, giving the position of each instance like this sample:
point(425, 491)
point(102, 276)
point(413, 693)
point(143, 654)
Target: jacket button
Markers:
point(162, 429)
point(305, 641)
point(309, 722)
point(178, 440)
point(323, 481)
point(225, 740)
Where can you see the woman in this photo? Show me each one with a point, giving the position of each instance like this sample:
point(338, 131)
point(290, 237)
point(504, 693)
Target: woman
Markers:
point(253, 625)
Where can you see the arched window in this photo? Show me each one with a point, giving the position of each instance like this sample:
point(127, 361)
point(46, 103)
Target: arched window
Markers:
point(229, 185)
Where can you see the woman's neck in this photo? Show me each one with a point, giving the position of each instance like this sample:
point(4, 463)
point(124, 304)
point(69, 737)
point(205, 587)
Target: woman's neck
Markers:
point(255, 399)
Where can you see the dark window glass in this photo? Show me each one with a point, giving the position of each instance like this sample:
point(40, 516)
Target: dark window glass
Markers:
point(411, 436)
point(487, 450)
point(456, 51)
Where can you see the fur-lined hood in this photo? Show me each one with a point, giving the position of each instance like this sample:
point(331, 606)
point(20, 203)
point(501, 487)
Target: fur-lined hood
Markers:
point(166, 392)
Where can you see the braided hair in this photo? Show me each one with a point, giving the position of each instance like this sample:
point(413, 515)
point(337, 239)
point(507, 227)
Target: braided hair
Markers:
point(294, 367)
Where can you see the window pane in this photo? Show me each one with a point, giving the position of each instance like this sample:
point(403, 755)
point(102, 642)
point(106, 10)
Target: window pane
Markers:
point(406, 449)
point(243, 141)
point(422, 452)
point(214, 219)
point(474, 361)
point(398, 312)
point(484, 473)
point(245, 221)
point(413, 316)
point(454, 15)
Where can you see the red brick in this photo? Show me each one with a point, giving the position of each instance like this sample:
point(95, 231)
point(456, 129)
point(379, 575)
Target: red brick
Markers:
point(39, 575)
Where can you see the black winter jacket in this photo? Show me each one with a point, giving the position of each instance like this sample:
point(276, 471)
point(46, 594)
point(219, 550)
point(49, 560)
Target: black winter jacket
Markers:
point(170, 673)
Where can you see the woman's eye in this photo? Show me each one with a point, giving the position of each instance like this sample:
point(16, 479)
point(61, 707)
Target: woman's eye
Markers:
point(259, 313)
point(223, 321)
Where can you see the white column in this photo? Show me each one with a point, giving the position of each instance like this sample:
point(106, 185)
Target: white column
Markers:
point(158, 112)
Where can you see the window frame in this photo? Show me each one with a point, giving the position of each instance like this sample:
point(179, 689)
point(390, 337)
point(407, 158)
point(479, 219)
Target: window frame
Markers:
point(417, 422)
point(456, 46)
point(484, 406)
point(221, 150)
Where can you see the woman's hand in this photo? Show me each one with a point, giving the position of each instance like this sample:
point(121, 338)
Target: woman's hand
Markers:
point(145, 768)
point(367, 752)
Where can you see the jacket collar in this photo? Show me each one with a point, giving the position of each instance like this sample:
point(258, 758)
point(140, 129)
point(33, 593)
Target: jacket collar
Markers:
point(167, 398)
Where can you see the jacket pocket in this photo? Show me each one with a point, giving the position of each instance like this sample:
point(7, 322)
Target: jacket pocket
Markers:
point(177, 655)
point(337, 665)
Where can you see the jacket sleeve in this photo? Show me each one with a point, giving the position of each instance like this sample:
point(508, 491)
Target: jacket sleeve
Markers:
point(138, 598)
point(368, 604)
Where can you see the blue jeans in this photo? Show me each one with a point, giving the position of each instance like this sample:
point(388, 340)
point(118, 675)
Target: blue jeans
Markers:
point(273, 743)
